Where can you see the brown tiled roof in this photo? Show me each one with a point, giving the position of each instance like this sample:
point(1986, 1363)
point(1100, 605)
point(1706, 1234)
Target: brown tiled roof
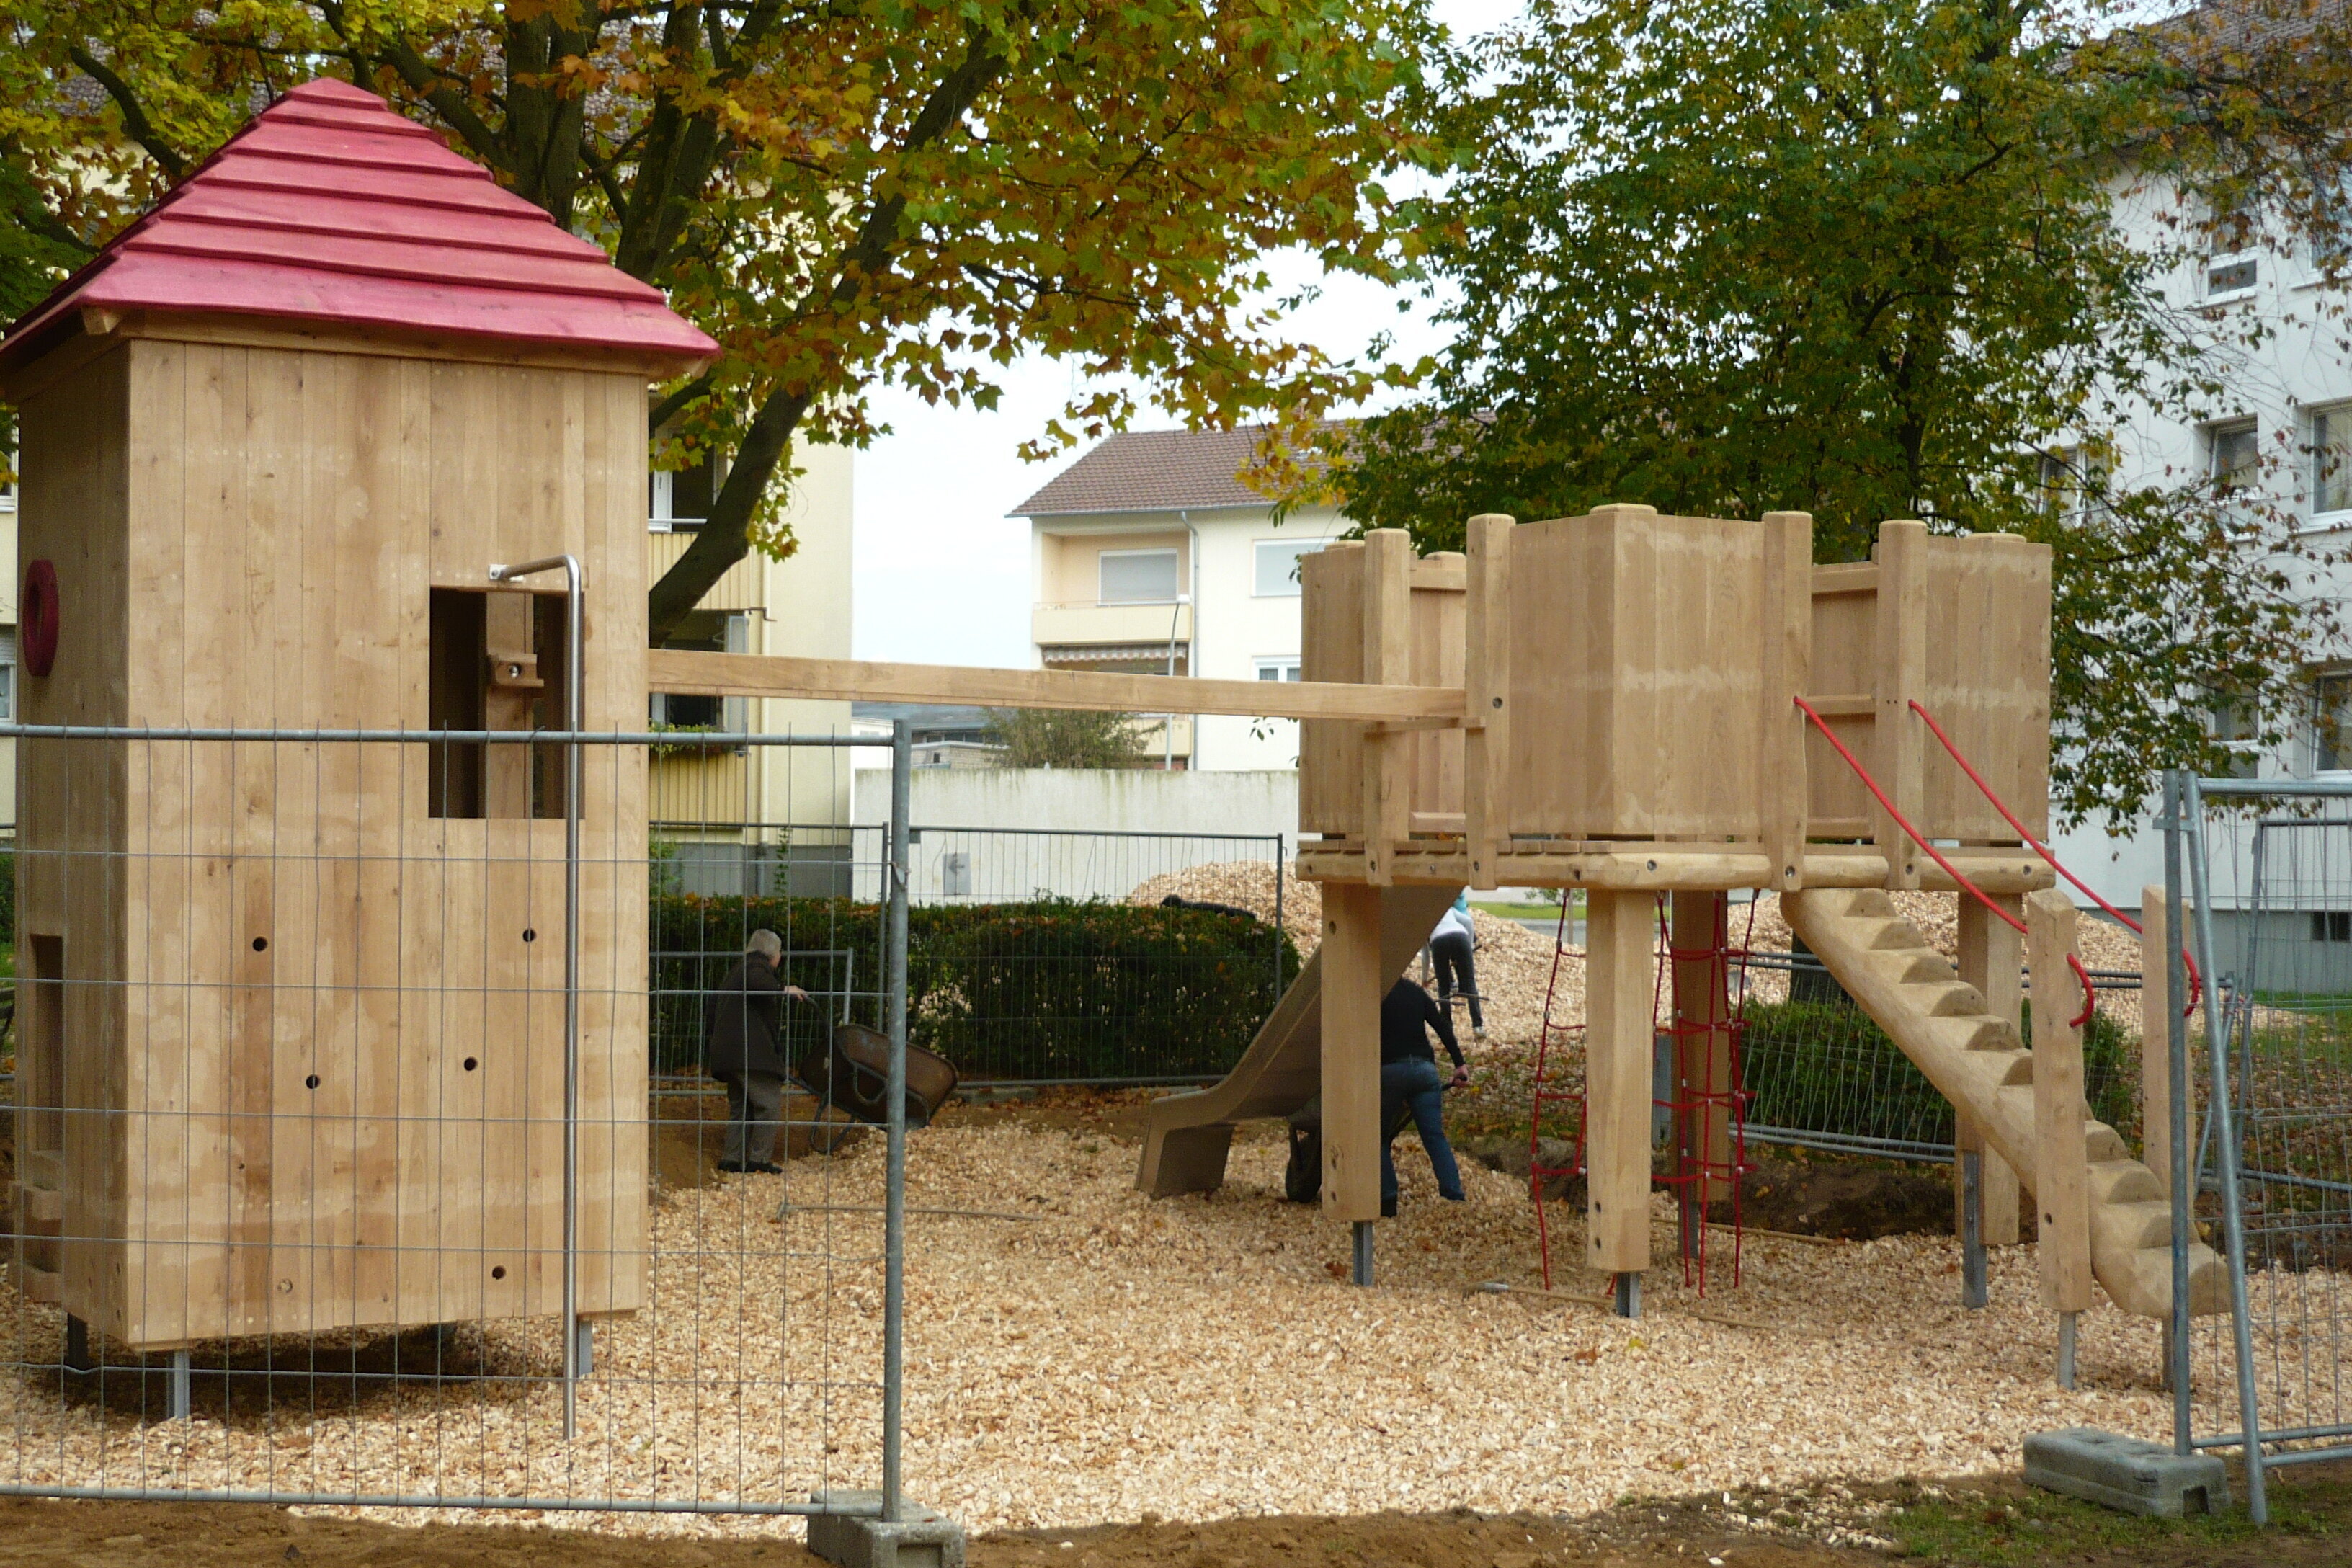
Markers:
point(1153, 470)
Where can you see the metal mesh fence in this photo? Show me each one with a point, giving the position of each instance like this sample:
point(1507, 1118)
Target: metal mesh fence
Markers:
point(338, 1175)
point(1820, 1075)
point(2273, 910)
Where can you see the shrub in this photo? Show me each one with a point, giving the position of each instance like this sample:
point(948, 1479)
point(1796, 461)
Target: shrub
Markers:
point(1049, 989)
point(1825, 1067)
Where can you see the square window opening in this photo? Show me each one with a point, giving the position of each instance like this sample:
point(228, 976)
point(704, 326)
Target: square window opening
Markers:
point(497, 664)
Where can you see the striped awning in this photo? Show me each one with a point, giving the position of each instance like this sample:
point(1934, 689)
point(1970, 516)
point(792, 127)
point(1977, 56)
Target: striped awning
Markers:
point(1111, 652)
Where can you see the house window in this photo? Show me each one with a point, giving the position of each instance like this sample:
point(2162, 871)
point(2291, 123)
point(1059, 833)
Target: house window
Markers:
point(2331, 461)
point(7, 674)
point(1281, 666)
point(704, 632)
point(2235, 726)
point(682, 497)
point(1277, 566)
point(2235, 457)
point(2331, 723)
point(2070, 484)
point(1139, 577)
point(2331, 925)
point(2233, 269)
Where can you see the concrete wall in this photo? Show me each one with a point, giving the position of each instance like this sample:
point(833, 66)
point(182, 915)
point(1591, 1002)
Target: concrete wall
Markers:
point(1083, 833)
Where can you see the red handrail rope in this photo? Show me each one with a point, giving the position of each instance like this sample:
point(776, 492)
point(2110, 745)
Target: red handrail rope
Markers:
point(2090, 996)
point(2196, 981)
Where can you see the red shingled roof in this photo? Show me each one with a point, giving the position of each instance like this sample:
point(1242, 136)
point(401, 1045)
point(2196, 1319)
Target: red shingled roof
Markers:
point(330, 208)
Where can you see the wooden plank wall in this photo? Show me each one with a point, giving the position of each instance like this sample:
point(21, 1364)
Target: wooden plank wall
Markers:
point(1331, 648)
point(1985, 675)
point(72, 805)
point(342, 1031)
point(1635, 678)
point(1331, 753)
point(1987, 683)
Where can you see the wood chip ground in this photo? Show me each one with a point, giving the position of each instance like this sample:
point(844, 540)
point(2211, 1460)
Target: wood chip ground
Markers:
point(1193, 1358)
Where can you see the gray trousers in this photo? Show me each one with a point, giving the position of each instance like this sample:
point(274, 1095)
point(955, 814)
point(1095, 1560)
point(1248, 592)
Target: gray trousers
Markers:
point(752, 1124)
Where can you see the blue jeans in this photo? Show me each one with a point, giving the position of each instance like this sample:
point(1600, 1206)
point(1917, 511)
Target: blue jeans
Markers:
point(1419, 1088)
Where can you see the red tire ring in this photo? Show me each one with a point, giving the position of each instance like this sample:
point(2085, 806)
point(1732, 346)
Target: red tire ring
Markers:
point(38, 618)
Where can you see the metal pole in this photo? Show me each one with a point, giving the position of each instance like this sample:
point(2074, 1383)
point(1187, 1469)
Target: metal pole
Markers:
point(2225, 1149)
point(2176, 1042)
point(2066, 1323)
point(1279, 931)
point(572, 592)
point(894, 1200)
point(1363, 1252)
point(1974, 1290)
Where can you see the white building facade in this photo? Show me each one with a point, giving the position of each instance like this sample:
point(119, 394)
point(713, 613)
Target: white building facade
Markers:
point(2282, 431)
point(1148, 555)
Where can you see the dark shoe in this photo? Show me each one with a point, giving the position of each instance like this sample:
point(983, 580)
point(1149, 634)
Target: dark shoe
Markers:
point(1455, 1197)
point(1388, 1208)
point(730, 1168)
point(768, 1168)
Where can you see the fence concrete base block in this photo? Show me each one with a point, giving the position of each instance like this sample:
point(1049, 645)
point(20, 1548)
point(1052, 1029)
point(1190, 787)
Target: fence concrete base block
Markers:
point(921, 1540)
point(2128, 1473)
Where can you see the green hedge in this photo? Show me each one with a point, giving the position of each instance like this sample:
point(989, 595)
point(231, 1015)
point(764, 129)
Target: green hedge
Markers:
point(1825, 1067)
point(1048, 989)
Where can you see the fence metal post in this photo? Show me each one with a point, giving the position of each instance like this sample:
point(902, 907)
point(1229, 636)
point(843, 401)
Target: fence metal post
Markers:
point(894, 1201)
point(574, 583)
point(2223, 1126)
point(1278, 931)
point(2175, 1047)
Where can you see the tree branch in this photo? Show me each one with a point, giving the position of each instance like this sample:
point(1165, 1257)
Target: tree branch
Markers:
point(134, 116)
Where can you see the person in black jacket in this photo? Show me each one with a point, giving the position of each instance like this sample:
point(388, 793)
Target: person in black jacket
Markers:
point(1409, 1077)
point(743, 1052)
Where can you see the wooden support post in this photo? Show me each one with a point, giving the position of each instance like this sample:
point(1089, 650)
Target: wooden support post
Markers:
point(1620, 990)
point(1991, 955)
point(2060, 1158)
point(1782, 797)
point(1486, 680)
point(1901, 664)
point(1702, 1039)
point(2156, 1006)
point(511, 685)
point(1353, 983)
point(1388, 661)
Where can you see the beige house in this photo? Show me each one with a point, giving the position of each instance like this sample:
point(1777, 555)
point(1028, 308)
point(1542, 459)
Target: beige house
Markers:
point(1150, 556)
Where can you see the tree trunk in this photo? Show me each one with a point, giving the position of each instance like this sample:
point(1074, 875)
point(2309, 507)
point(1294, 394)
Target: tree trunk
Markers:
point(725, 537)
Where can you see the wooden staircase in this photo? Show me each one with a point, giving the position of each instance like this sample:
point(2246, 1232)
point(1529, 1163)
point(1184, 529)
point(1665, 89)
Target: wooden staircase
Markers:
point(1977, 1061)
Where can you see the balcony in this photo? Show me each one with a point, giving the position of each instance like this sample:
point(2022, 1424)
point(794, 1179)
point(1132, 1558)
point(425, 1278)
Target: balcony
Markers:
point(701, 785)
point(743, 587)
point(1087, 624)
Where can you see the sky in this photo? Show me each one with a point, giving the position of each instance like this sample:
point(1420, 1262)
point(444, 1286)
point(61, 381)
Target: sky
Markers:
point(941, 574)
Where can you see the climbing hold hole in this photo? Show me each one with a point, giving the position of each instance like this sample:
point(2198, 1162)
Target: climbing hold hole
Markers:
point(529, 935)
point(471, 1064)
point(261, 944)
point(499, 1272)
point(310, 1082)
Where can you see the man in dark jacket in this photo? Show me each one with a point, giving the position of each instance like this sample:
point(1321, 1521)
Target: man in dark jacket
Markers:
point(743, 1052)
point(1409, 1077)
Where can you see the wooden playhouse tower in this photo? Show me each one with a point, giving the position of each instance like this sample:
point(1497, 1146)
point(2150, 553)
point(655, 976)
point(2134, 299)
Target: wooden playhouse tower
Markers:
point(292, 1042)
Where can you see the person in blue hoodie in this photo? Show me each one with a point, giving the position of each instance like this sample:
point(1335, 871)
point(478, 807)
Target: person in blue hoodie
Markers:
point(1450, 947)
